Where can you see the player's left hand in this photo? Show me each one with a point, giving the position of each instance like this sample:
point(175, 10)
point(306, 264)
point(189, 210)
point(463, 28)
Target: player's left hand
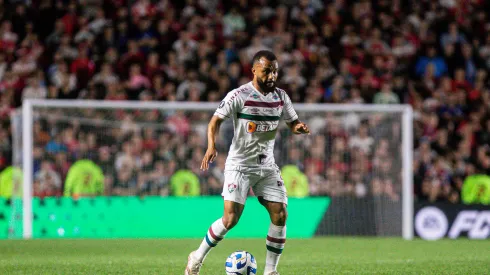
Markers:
point(300, 128)
point(209, 157)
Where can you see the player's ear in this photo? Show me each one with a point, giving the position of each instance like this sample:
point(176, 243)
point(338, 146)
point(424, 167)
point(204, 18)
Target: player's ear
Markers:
point(253, 69)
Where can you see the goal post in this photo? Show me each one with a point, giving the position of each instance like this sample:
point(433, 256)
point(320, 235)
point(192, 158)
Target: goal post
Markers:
point(407, 151)
point(27, 160)
point(381, 120)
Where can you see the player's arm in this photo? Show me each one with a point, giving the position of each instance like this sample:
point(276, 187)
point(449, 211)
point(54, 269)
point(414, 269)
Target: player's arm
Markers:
point(226, 109)
point(211, 153)
point(298, 127)
point(291, 118)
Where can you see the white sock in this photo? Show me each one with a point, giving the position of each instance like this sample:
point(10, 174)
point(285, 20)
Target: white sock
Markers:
point(215, 234)
point(276, 238)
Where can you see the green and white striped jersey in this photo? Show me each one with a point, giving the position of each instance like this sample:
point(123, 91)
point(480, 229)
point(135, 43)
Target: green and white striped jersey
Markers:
point(255, 121)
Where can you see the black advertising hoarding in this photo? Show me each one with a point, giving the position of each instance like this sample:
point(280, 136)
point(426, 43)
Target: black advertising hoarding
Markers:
point(434, 221)
point(371, 216)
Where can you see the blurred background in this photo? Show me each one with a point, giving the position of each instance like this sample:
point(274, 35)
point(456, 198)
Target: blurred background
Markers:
point(432, 55)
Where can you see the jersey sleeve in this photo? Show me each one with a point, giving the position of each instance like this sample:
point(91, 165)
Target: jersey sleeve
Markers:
point(229, 106)
point(288, 113)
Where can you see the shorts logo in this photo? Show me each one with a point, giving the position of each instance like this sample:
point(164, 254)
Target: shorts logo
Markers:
point(232, 187)
point(280, 183)
point(253, 127)
point(221, 104)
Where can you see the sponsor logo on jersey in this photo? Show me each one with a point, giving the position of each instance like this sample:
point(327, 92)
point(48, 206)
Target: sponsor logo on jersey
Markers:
point(235, 95)
point(222, 103)
point(232, 187)
point(253, 127)
point(254, 110)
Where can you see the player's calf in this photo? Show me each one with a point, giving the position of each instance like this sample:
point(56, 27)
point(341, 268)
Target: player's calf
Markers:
point(276, 239)
point(219, 228)
point(230, 220)
point(215, 234)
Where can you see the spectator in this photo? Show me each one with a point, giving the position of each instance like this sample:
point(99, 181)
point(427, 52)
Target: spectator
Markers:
point(47, 182)
point(24, 66)
point(11, 182)
point(453, 36)
point(106, 75)
point(83, 68)
point(136, 82)
point(362, 141)
point(386, 96)
point(185, 183)
point(233, 22)
point(84, 178)
point(3, 66)
point(191, 82)
point(431, 58)
point(34, 89)
point(63, 79)
point(295, 181)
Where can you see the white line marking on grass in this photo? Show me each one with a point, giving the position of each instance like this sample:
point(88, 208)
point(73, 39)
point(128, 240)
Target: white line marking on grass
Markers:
point(386, 261)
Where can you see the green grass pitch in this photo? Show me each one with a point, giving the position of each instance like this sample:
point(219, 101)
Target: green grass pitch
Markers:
point(306, 257)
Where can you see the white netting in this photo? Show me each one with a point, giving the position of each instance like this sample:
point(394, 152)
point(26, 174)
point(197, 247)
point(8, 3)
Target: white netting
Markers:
point(353, 157)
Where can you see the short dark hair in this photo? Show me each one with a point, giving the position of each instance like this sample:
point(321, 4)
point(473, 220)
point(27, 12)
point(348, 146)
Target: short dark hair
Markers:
point(264, 53)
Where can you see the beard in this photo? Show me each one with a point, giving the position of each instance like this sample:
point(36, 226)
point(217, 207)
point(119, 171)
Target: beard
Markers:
point(266, 86)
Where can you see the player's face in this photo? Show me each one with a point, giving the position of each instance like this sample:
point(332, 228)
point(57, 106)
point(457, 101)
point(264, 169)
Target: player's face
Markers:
point(266, 73)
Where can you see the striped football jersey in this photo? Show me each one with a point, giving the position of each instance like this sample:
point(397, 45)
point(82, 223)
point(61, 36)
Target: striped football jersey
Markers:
point(255, 120)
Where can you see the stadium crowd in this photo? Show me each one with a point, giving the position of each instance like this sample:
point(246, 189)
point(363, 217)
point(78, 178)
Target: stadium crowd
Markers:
point(433, 55)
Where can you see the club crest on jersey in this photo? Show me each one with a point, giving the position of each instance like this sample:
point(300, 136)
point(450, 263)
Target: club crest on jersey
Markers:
point(255, 96)
point(253, 127)
point(275, 97)
point(232, 187)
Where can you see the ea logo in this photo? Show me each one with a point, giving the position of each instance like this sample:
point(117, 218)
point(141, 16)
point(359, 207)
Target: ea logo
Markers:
point(251, 127)
point(431, 223)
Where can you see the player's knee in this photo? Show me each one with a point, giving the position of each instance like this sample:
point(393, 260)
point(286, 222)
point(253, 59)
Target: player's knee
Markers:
point(230, 220)
point(280, 217)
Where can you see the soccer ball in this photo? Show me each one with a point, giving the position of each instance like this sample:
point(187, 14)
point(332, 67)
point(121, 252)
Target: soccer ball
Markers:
point(241, 263)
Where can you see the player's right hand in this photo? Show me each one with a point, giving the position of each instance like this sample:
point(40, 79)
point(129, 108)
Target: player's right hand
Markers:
point(209, 157)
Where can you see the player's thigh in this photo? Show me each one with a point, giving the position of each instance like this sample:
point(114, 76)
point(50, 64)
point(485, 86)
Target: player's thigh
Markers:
point(236, 186)
point(271, 188)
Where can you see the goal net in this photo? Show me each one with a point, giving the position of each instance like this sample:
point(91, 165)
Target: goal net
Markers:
point(358, 156)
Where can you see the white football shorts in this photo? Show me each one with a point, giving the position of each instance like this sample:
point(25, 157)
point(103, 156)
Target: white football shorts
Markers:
point(265, 182)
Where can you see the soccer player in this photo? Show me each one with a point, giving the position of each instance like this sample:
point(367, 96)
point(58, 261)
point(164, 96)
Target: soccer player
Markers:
point(256, 109)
